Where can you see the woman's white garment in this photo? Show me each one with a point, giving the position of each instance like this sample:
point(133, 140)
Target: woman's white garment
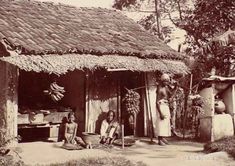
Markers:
point(108, 129)
point(163, 126)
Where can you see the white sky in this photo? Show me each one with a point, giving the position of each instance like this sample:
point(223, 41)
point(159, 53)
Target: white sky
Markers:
point(85, 3)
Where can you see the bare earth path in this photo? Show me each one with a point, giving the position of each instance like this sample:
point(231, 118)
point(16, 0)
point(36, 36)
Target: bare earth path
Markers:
point(176, 154)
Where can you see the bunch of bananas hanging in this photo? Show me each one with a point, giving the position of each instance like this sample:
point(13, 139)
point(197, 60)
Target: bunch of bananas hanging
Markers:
point(131, 102)
point(55, 92)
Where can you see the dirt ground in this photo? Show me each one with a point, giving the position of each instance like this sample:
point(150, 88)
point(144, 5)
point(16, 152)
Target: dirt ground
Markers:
point(179, 153)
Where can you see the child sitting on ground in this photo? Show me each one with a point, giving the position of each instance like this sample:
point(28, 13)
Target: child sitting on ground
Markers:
point(70, 134)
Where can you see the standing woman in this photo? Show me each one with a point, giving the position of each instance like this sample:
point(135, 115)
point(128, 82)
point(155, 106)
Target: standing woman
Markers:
point(164, 92)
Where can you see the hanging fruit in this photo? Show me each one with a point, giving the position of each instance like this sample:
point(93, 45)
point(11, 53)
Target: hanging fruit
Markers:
point(55, 92)
point(131, 102)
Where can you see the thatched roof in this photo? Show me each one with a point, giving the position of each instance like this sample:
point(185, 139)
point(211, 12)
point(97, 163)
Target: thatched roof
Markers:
point(60, 64)
point(36, 28)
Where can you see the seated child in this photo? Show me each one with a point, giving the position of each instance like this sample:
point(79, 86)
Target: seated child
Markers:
point(110, 129)
point(70, 134)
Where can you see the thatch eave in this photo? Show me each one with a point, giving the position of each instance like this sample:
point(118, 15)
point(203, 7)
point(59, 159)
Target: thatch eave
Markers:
point(60, 64)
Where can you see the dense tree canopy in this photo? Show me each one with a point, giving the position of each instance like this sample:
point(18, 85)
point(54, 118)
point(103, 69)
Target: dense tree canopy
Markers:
point(208, 20)
point(205, 21)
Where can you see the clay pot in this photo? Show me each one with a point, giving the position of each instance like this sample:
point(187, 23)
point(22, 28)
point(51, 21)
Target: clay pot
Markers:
point(219, 106)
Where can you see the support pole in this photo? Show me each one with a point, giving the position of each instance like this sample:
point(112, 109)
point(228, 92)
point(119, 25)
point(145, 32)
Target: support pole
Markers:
point(87, 105)
point(148, 104)
point(122, 135)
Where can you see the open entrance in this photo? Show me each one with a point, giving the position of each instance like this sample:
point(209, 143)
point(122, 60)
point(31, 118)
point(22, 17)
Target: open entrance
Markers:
point(133, 81)
point(39, 117)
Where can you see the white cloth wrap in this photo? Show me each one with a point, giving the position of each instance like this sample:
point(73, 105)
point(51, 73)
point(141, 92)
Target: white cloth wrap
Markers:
point(163, 127)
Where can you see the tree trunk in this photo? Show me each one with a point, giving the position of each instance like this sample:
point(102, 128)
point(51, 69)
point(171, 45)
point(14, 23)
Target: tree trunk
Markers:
point(158, 19)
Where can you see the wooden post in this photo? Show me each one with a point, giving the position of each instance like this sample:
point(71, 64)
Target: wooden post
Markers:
point(8, 104)
point(87, 101)
point(122, 135)
point(135, 119)
point(149, 109)
point(119, 114)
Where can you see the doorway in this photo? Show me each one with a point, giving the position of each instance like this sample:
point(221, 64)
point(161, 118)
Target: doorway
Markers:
point(135, 81)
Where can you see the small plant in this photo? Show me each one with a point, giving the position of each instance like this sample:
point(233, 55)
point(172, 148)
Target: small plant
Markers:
point(197, 104)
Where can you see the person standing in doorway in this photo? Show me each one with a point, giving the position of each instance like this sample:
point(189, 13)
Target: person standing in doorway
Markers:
point(164, 93)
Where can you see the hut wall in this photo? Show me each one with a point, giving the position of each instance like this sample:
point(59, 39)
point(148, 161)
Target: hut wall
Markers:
point(103, 96)
point(32, 84)
point(8, 103)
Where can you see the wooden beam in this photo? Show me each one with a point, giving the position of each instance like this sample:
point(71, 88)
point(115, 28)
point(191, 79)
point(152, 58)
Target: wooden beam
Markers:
point(120, 69)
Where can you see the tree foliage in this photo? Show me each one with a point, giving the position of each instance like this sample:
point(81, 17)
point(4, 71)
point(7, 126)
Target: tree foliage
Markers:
point(208, 20)
point(205, 20)
point(120, 4)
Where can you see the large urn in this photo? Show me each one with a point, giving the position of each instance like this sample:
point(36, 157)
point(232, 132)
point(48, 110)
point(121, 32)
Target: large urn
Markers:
point(219, 106)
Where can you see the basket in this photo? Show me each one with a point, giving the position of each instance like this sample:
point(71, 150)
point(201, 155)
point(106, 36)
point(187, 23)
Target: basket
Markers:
point(127, 142)
point(91, 138)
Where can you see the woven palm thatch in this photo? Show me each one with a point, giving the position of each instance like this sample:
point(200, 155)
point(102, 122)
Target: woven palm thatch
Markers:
point(60, 64)
point(96, 38)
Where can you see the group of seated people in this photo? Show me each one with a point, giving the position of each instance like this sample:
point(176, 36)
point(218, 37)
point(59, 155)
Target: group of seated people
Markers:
point(109, 130)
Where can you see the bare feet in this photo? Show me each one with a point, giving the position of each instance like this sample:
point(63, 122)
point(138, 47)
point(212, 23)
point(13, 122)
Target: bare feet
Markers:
point(88, 146)
point(161, 143)
point(165, 141)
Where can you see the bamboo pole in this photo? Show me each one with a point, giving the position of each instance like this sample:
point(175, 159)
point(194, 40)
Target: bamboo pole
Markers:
point(147, 108)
